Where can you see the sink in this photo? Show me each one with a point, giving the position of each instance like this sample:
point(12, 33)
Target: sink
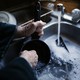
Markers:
point(67, 29)
point(71, 59)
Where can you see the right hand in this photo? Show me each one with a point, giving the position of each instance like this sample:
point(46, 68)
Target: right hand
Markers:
point(29, 28)
point(30, 56)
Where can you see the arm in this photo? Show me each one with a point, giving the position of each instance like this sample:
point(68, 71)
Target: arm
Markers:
point(21, 67)
point(18, 69)
point(7, 32)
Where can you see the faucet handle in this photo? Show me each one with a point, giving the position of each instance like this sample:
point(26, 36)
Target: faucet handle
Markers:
point(76, 15)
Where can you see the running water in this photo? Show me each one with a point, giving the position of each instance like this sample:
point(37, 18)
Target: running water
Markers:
point(59, 27)
point(59, 21)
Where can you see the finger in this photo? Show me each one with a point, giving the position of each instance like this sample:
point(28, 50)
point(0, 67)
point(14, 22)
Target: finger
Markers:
point(40, 23)
point(34, 53)
point(30, 28)
point(34, 64)
point(39, 29)
point(22, 52)
point(41, 33)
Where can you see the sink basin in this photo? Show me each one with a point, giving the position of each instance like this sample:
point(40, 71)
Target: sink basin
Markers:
point(71, 38)
point(68, 30)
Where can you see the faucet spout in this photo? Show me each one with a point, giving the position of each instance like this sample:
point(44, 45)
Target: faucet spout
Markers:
point(60, 7)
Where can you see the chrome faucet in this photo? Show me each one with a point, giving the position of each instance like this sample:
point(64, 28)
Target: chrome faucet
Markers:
point(76, 15)
point(60, 7)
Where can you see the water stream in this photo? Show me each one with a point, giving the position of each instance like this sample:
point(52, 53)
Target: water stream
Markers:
point(59, 20)
point(58, 43)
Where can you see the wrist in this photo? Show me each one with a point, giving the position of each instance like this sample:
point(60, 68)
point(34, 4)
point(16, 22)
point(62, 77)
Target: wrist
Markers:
point(26, 59)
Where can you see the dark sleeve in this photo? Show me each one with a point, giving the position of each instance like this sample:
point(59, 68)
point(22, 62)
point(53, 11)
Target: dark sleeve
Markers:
point(6, 35)
point(18, 69)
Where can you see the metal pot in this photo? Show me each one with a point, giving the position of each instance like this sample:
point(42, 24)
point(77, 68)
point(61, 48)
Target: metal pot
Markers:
point(42, 50)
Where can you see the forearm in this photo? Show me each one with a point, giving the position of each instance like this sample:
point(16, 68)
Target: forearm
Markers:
point(20, 32)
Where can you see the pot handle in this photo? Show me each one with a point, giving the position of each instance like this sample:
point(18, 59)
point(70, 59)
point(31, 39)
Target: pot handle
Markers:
point(35, 36)
point(37, 14)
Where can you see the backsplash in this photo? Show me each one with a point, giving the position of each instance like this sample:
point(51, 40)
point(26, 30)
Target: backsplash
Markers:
point(69, 4)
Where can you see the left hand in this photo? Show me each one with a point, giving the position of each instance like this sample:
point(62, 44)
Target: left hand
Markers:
point(30, 56)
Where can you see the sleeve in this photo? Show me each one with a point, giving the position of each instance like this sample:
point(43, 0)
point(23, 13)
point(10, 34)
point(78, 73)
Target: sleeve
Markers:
point(18, 69)
point(6, 35)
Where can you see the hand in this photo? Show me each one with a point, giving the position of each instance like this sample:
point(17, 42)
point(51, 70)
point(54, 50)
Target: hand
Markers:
point(30, 28)
point(30, 56)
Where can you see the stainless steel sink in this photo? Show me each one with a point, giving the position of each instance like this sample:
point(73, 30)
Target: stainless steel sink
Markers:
point(70, 35)
point(67, 29)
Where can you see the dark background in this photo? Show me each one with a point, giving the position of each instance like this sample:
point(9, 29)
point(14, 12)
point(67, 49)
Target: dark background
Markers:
point(7, 4)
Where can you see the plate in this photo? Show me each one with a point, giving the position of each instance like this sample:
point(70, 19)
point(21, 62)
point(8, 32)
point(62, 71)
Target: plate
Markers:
point(7, 17)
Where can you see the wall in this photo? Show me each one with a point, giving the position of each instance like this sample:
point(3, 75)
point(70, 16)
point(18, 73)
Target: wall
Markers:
point(69, 4)
point(10, 4)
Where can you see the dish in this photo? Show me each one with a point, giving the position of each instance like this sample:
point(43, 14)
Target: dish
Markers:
point(7, 17)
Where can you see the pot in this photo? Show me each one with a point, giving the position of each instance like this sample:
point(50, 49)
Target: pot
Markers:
point(39, 46)
point(42, 50)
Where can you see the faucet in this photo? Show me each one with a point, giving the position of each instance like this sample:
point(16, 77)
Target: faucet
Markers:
point(76, 15)
point(60, 7)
